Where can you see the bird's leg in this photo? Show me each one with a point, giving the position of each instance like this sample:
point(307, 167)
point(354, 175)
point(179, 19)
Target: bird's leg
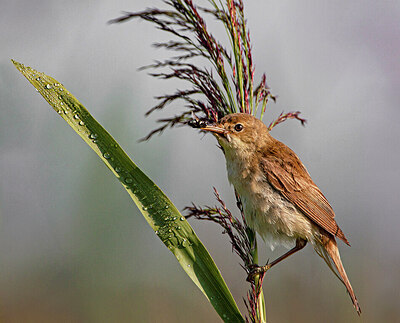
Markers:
point(256, 270)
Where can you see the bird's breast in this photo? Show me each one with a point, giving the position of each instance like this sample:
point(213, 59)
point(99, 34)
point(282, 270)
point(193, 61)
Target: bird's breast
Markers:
point(266, 211)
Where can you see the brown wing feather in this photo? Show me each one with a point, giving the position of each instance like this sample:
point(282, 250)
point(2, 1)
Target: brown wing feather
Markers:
point(285, 172)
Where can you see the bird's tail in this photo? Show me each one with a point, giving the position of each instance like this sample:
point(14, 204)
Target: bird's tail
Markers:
point(330, 253)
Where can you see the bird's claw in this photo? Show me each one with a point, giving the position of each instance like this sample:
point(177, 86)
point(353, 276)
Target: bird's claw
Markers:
point(256, 270)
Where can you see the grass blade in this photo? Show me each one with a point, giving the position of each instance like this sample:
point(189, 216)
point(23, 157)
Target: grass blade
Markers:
point(165, 219)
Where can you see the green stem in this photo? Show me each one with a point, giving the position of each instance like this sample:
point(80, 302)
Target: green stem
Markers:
point(261, 309)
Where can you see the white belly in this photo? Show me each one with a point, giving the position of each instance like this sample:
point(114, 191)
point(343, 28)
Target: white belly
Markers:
point(267, 212)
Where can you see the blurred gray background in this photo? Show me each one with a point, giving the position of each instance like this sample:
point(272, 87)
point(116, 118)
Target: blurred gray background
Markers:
point(73, 246)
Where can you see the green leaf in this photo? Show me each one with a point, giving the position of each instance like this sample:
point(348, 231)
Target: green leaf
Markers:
point(169, 225)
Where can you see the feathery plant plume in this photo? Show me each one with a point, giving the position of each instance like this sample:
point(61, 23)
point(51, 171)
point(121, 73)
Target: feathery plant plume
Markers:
point(285, 116)
point(227, 84)
point(236, 229)
point(242, 241)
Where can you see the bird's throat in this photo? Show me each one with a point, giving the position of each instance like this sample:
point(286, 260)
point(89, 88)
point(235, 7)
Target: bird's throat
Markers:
point(239, 167)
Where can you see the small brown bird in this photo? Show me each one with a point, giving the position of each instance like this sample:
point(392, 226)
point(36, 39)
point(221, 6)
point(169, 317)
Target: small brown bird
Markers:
point(280, 200)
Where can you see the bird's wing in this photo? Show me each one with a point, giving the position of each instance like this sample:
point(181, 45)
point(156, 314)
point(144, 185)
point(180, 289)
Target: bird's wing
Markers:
point(292, 180)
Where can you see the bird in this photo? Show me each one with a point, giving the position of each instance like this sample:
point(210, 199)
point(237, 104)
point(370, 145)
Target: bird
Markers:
point(280, 200)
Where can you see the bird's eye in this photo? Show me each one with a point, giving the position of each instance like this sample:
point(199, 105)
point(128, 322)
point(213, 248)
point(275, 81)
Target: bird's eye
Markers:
point(238, 127)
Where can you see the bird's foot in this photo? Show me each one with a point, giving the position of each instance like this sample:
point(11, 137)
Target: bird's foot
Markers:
point(256, 270)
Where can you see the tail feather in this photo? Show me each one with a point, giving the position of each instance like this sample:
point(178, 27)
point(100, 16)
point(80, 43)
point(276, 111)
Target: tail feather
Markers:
point(330, 253)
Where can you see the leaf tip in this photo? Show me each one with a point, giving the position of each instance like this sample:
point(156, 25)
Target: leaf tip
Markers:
point(18, 65)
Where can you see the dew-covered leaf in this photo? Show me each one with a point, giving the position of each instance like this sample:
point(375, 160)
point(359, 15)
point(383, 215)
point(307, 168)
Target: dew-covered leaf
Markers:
point(165, 219)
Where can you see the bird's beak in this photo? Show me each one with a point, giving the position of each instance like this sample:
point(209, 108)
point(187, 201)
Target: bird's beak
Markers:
point(214, 129)
point(218, 130)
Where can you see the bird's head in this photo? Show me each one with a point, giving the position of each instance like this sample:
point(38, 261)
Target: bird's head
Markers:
point(240, 132)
